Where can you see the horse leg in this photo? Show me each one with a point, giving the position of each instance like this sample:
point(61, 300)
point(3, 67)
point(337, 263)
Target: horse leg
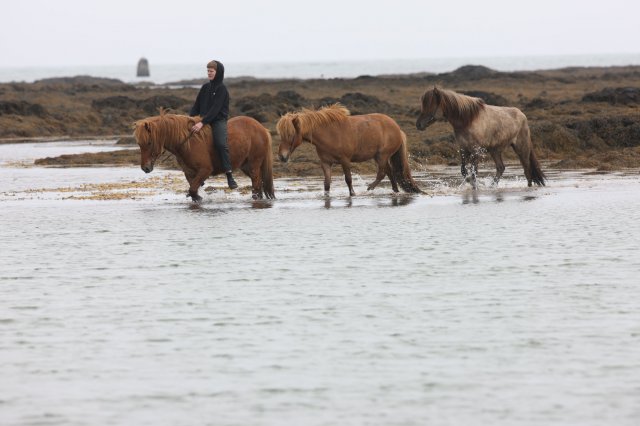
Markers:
point(382, 165)
point(346, 168)
point(474, 171)
point(496, 154)
point(190, 174)
point(256, 183)
point(326, 170)
point(464, 155)
point(253, 172)
point(199, 178)
point(392, 177)
point(523, 152)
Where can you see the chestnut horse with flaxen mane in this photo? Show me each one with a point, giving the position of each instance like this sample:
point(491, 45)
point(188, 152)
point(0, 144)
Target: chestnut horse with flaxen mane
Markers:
point(477, 125)
point(340, 138)
point(249, 150)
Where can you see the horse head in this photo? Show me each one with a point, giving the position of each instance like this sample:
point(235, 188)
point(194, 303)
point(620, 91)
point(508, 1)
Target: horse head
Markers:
point(429, 104)
point(290, 135)
point(151, 146)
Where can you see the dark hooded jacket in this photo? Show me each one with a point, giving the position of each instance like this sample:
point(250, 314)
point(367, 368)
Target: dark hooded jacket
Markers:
point(212, 102)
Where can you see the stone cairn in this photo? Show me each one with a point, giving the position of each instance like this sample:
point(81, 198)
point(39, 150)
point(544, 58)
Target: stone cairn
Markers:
point(143, 68)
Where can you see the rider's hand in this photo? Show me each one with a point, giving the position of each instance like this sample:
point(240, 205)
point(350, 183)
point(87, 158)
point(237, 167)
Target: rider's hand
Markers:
point(196, 127)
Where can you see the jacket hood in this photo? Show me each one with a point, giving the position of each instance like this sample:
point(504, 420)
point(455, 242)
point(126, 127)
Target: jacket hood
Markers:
point(217, 80)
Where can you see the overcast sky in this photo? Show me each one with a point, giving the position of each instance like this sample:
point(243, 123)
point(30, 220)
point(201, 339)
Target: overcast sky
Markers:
point(119, 32)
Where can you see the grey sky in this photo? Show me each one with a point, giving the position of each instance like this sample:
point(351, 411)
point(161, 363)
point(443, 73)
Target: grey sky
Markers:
point(119, 32)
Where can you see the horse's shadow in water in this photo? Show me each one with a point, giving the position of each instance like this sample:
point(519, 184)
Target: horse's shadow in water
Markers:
point(261, 204)
point(393, 201)
point(328, 202)
point(472, 197)
point(253, 204)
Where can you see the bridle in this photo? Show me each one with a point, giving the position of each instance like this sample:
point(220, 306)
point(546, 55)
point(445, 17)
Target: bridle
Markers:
point(431, 118)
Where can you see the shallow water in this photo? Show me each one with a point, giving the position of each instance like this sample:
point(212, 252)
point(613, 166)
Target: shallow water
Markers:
point(123, 303)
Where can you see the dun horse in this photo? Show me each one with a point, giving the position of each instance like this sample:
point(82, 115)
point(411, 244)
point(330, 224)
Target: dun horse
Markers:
point(340, 138)
point(477, 125)
point(249, 150)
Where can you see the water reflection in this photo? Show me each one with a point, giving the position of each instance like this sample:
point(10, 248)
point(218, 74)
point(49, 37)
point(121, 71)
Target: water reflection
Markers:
point(498, 196)
point(470, 197)
point(402, 200)
point(261, 204)
point(328, 202)
point(195, 206)
point(394, 200)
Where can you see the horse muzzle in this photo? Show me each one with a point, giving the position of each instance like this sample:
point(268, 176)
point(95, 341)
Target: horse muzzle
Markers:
point(283, 158)
point(147, 168)
point(423, 123)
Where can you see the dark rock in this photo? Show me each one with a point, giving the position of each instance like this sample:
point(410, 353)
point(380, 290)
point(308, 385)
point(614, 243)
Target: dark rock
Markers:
point(294, 98)
point(153, 104)
point(615, 95)
point(22, 108)
point(554, 136)
point(603, 132)
point(328, 100)
point(117, 102)
point(469, 72)
point(488, 97)
point(538, 103)
point(150, 105)
point(267, 107)
point(82, 79)
point(360, 103)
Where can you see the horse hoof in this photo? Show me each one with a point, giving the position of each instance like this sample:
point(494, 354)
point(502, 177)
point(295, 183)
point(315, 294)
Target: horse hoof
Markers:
point(194, 197)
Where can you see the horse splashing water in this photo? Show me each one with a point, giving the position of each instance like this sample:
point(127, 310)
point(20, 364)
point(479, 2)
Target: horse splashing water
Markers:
point(340, 138)
point(249, 150)
point(479, 126)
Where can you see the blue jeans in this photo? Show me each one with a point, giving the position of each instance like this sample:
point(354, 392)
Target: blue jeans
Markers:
point(220, 143)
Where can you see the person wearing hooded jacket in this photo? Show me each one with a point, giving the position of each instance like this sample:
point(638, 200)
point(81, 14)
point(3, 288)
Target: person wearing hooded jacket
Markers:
point(212, 104)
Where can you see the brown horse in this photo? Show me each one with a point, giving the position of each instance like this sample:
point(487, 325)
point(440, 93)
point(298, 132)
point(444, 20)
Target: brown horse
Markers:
point(249, 149)
point(479, 126)
point(340, 138)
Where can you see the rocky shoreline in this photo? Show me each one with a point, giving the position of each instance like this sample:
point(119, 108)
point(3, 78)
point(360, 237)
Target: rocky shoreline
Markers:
point(579, 117)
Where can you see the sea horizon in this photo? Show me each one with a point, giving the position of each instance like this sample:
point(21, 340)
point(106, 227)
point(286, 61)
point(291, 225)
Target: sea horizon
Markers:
point(166, 73)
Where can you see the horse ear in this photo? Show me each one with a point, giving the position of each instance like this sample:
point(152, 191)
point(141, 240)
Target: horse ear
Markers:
point(435, 89)
point(147, 126)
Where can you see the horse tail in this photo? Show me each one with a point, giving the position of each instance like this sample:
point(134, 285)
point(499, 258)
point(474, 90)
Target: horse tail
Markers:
point(400, 168)
point(267, 169)
point(537, 176)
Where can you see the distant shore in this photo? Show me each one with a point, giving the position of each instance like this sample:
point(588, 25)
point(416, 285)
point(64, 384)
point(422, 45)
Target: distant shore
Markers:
point(579, 117)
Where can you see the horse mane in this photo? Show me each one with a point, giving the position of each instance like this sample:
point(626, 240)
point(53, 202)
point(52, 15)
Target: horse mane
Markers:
point(169, 127)
point(456, 107)
point(284, 126)
point(308, 119)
